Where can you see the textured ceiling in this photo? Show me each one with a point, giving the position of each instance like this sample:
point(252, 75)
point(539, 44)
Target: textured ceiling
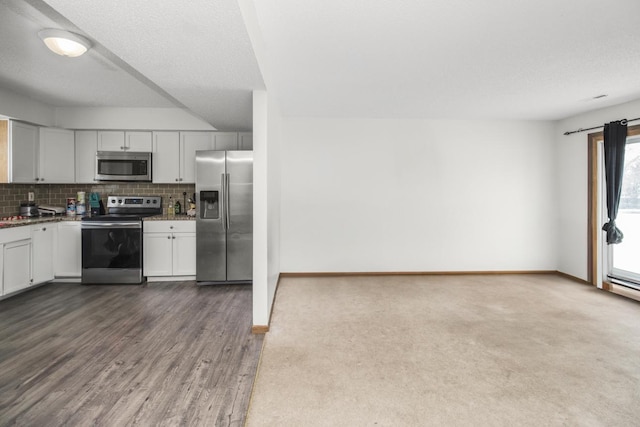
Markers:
point(502, 59)
point(29, 68)
point(506, 59)
point(197, 51)
point(194, 54)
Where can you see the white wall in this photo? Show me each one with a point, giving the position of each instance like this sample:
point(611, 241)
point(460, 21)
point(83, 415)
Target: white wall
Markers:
point(266, 142)
point(266, 220)
point(273, 198)
point(571, 154)
point(22, 108)
point(129, 118)
point(380, 195)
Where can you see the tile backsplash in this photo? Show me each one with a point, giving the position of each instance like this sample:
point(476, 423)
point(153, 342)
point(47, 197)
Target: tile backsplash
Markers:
point(11, 195)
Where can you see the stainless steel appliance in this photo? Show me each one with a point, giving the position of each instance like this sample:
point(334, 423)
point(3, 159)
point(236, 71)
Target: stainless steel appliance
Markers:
point(29, 209)
point(112, 243)
point(123, 166)
point(51, 210)
point(224, 217)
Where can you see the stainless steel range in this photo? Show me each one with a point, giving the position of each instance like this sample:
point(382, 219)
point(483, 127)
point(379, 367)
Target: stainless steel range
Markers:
point(112, 243)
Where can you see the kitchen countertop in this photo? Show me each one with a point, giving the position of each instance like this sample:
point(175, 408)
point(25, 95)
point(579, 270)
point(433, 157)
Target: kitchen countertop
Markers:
point(180, 217)
point(10, 223)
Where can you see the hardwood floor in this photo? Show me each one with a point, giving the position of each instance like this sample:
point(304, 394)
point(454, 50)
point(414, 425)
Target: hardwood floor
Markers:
point(168, 353)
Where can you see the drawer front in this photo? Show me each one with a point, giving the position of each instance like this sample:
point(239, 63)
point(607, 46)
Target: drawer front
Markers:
point(18, 233)
point(185, 226)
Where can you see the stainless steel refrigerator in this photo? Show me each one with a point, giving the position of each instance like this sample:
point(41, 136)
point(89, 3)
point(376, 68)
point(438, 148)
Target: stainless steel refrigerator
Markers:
point(224, 217)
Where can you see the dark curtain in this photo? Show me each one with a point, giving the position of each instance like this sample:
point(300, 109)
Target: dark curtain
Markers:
point(615, 138)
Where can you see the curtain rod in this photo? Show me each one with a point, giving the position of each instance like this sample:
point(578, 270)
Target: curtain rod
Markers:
point(623, 121)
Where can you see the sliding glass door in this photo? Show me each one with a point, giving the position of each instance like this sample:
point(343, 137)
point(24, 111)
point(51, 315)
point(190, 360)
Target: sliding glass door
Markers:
point(624, 258)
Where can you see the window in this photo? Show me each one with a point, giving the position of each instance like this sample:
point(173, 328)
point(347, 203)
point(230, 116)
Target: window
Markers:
point(624, 258)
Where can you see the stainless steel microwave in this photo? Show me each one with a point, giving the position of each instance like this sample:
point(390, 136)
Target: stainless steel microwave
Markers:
point(123, 166)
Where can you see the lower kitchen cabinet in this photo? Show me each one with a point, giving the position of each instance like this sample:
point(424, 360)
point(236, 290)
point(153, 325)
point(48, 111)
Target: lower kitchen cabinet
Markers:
point(169, 248)
point(68, 250)
point(42, 252)
point(184, 254)
point(15, 245)
point(17, 266)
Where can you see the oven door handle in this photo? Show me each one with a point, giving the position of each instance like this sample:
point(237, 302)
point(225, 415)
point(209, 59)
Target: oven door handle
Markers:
point(101, 225)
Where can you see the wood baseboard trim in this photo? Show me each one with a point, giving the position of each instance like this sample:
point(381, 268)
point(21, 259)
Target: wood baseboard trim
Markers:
point(259, 329)
point(414, 273)
point(263, 329)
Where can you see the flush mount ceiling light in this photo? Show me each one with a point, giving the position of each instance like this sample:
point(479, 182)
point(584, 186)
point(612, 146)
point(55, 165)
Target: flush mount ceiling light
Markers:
point(64, 43)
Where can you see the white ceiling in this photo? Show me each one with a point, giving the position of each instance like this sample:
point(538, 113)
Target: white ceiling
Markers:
point(194, 54)
point(504, 59)
point(496, 59)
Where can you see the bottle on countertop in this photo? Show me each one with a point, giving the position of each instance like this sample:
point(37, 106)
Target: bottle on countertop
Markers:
point(178, 208)
point(170, 207)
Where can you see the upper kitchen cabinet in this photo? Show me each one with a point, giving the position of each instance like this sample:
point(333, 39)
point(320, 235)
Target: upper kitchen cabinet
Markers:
point(57, 156)
point(86, 147)
point(245, 141)
point(174, 153)
point(24, 153)
point(166, 157)
point(115, 140)
point(225, 141)
point(190, 142)
point(41, 155)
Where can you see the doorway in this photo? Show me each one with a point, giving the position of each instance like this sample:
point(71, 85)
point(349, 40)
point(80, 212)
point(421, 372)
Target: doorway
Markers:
point(619, 264)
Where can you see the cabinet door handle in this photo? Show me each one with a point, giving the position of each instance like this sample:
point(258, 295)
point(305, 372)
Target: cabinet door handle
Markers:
point(177, 179)
point(44, 228)
point(174, 237)
point(168, 237)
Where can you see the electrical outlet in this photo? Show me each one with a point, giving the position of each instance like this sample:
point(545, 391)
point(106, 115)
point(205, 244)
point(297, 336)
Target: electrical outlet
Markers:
point(32, 196)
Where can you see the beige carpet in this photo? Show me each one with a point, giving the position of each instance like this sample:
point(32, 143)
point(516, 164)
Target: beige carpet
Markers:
point(514, 350)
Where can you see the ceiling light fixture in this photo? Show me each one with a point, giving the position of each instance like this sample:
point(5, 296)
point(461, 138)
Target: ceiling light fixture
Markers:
point(64, 43)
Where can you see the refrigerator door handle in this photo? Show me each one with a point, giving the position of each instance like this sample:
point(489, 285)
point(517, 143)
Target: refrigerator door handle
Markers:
point(227, 209)
point(223, 200)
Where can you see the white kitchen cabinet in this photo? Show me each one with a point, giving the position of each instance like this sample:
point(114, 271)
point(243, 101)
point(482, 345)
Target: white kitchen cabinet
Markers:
point(245, 141)
point(184, 254)
point(157, 254)
point(225, 140)
point(41, 155)
point(138, 141)
point(86, 144)
point(24, 153)
point(171, 168)
point(57, 156)
point(117, 140)
point(42, 238)
point(111, 140)
point(15, 245)
point(190, 142)
point(169, 248)
point(17, 265)
point(67, 245)
point(166, 158)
